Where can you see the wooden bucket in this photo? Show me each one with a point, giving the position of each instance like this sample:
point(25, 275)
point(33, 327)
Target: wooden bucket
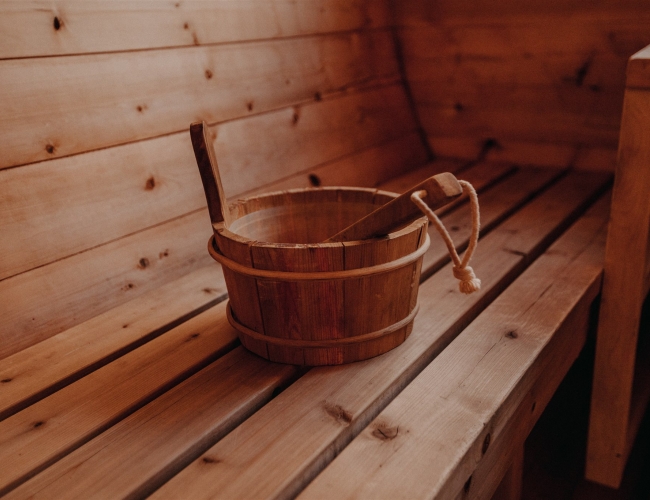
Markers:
point(294, 300)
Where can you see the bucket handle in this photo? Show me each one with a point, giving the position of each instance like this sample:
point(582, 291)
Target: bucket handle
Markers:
point(468, 282)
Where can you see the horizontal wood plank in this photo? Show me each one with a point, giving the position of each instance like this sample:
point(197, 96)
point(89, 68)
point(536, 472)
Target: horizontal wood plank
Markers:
point(47, 300)
point(525, 152)
point(437, 430)
point(101, 100)
point(300, 431)
point(29, 28)
point(366, 168)
point(555, 127)
point(179, 426)
point(68, 418)
point(122, 190)
point(39, 370)
point(289, 140)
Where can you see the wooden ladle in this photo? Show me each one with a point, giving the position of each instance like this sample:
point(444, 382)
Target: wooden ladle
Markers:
point(440, 190)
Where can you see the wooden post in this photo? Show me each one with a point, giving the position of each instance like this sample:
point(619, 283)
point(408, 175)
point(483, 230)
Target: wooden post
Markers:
point(615, 412)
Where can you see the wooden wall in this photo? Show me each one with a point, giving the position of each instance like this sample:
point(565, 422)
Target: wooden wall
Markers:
point(100, 198)
point(523, 81)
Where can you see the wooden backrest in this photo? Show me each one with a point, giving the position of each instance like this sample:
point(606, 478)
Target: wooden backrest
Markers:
point(531, 82)
point(100, 197)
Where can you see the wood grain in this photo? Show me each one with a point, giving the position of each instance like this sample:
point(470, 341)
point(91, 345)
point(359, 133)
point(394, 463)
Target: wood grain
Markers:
point(84, 27)
point(63, 357)
point(206, 160)
point(101, 100)
point(300, 431)
point(179, 426)
point(310, 135)
point(47, 300)
point(36, 371)
point(515, 74)
point(525, 152)
point(439, 427)
point(68, 418)
point(122, 190)
point(369, 167)
point(623, 298)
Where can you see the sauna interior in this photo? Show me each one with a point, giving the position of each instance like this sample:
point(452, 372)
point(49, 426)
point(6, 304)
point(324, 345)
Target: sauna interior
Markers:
point(103, 219)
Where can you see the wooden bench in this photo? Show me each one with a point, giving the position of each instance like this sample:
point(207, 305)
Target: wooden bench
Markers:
point(119, 373)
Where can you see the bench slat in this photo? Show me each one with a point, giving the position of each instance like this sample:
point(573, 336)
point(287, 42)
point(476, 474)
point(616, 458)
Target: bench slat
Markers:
point(496, 205)
point(68, 418)
point(297, 434)
point(118, 191)
point(428, 441)
point(156, 443)
point(91, 26)
point(482, 174)
point(37, 371)
point(101, 100)
point(101, 444)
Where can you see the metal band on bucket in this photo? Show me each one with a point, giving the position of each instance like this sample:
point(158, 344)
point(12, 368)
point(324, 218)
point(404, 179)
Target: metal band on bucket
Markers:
point(318, 275)
point(340, 342)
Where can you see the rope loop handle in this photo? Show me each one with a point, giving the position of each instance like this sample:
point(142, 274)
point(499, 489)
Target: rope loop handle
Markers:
point(469, 283)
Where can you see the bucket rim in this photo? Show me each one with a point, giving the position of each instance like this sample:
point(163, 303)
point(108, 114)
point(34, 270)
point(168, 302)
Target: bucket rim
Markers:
point(235, 215)
point(358, 272)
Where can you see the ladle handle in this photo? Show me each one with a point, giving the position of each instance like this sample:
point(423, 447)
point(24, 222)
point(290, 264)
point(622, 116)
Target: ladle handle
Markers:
point(441, 189)
point(209, 170)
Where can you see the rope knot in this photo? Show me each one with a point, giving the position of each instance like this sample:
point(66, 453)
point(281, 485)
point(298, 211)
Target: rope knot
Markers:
point(468, 282)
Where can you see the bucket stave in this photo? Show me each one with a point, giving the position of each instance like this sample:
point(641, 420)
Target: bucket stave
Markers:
point(295, 300)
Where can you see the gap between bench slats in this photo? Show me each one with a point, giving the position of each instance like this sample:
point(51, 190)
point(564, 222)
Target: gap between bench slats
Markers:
point(102, 100)
point(38, 370)
point(564, 188)
point(299, 432)
point(72, 433)
point(429, 440)
point(92, 27)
